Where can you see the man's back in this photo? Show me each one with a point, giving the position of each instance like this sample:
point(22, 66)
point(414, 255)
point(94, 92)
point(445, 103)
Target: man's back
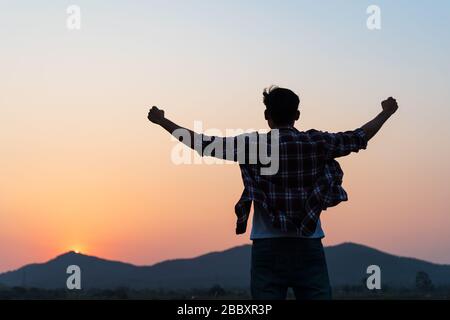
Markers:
point(308, 179)
point(302, 158)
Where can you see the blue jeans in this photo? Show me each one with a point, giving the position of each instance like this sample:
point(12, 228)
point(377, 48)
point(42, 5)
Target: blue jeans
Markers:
point(280, 263)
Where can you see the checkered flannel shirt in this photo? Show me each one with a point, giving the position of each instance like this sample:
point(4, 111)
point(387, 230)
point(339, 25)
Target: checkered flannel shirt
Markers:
point(308, 181)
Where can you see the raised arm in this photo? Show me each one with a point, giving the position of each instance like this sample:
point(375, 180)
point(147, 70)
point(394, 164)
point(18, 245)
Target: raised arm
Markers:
point(343, 143)
point(213, 146)
point(156, 116)
point(373, 126)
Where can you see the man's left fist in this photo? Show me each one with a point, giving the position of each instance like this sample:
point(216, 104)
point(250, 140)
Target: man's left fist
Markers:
point(390, 105)
point(156, 115)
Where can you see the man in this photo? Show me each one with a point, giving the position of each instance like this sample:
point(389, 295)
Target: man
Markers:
point(287, 249)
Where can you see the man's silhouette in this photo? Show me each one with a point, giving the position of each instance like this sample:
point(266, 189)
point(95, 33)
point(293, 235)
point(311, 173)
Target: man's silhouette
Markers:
point(287, 248)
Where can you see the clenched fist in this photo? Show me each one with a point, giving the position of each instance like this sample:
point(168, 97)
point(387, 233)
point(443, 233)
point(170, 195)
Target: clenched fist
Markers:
point(390, 105)
point(156, 115)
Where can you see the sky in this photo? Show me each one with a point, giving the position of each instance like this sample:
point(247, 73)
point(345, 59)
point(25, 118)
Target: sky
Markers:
point(82, 169)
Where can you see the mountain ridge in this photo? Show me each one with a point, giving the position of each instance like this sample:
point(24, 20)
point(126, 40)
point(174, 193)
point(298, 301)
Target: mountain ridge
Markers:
point(347, 264)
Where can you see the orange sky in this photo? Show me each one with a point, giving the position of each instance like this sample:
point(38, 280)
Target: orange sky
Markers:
point(81, 168)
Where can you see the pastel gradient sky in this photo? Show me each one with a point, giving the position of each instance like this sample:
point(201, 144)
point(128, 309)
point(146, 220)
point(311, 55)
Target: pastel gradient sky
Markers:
point(81, 168)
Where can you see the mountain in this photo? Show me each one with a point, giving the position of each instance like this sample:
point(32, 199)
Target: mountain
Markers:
point(347, 264)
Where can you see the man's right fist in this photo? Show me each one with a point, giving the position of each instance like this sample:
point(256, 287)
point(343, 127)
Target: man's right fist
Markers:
point(156, 115)
point(390, 105)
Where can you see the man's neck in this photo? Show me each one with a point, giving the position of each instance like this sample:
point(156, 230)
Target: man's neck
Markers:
point(283, 127)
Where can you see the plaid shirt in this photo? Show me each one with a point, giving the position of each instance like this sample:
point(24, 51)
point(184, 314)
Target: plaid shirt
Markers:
point(308, 181)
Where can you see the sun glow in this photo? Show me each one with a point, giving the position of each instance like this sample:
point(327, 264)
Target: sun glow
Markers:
point(77, 249)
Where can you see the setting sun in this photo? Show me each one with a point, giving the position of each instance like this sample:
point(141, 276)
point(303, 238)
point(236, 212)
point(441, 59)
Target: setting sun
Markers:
point(77, 249)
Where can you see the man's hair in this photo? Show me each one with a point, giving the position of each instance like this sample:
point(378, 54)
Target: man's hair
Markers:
point(282, 104)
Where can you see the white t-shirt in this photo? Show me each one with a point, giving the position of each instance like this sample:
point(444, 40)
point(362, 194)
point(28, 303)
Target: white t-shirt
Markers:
point(262, 227)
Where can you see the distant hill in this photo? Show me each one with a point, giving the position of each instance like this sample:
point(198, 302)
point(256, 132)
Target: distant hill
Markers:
point(347, 264)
